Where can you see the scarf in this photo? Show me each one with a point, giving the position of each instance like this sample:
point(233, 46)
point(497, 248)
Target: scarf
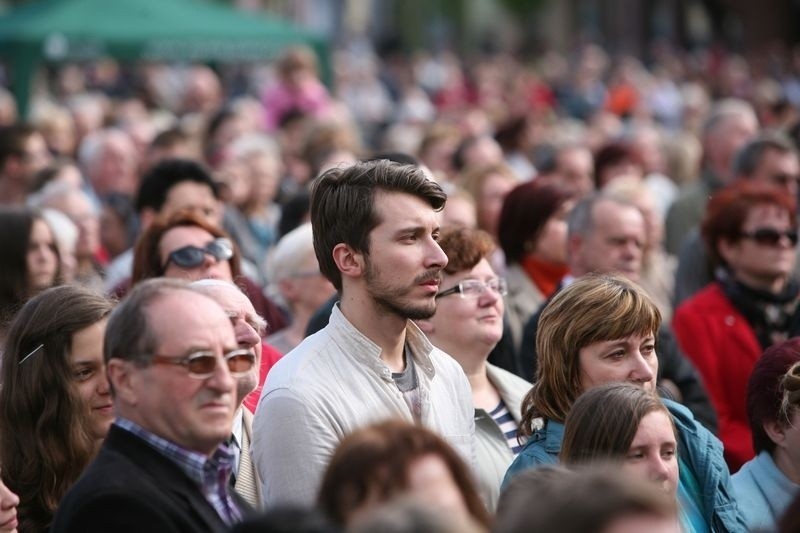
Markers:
point(544, 274)
point(773, 317)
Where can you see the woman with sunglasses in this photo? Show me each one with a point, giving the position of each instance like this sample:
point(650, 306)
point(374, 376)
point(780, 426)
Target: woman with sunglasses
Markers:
point(55, 402)
point(468, 323)
point(750, 230)
point(187, 246)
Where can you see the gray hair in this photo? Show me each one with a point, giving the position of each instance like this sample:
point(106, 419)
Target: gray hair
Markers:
point(209, 286)
point(93, 144)
point(54, 191)
point(725, 109)
point(291, 251)
point(581, 218)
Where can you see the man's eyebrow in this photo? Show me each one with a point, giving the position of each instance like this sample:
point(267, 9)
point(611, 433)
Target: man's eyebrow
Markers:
point(257, 321)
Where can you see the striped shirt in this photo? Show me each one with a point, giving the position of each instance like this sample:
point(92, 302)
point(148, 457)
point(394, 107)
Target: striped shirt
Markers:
point(502, 417)
point(210, 473)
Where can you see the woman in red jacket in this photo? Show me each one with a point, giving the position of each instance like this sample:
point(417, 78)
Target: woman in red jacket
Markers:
point(750, 230)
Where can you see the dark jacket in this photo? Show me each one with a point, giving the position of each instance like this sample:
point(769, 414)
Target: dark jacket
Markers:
point(131, 487)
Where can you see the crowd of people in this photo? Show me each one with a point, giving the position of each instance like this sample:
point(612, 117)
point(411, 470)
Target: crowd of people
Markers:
point(550, 296)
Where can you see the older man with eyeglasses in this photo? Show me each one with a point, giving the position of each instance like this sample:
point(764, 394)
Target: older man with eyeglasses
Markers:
point(467, 324)
point(173, 362)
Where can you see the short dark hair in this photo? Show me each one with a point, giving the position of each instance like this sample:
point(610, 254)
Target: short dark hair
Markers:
point(749, 157)
point(526, 210)
point(611, 154)
point(169, 138)
point(765, 390)
point(727, 211)
point(12, 140)
point(160, 179)
point(343, 205)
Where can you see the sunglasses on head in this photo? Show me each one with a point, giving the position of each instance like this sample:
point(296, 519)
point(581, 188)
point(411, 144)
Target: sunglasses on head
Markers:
point(220, 249)
point(771, 236)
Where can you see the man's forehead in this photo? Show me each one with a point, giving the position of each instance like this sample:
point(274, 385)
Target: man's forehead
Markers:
point(187, 310)
point(399, 209)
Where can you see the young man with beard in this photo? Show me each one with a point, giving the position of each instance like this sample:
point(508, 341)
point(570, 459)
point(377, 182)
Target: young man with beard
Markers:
point(376, 227)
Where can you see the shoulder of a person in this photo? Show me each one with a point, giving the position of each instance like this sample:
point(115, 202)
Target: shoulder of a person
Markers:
point(507, 379)
point(686, 423)
point(708, 298)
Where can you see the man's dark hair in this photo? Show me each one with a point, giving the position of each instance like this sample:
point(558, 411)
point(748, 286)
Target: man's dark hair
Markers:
point(12, 140)
point(160, 179)
point(169, 138)
point(749, 157)
point(343, 205)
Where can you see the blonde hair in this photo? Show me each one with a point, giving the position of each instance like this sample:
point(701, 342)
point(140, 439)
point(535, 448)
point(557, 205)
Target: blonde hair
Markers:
point(790, 384)
point(592, 309)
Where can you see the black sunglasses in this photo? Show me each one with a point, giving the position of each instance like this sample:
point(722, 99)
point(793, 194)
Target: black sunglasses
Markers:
point(771, 236)
point(220, 249)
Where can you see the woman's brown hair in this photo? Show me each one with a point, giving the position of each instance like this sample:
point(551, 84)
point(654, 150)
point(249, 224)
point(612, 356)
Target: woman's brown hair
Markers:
point(45, 440)
point(147, 262)
point(372, 464)
point(592, 309)
point(603, 422)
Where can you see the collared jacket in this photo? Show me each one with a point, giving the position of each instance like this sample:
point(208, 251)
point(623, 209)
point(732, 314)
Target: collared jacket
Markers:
point(698, 448)
point(132, 487)
point(724, 349)
point(523, 299)
point(765, 492)
point(335, 382)
point(492, 452)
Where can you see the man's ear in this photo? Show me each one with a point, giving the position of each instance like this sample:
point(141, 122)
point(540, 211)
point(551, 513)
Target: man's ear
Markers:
point(425, 325)
point(287, 288)
point(775, 431)
point(349, 262)
point(574, 243)
point(123, 378)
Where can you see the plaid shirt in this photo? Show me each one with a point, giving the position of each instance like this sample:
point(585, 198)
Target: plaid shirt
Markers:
point(210, 473)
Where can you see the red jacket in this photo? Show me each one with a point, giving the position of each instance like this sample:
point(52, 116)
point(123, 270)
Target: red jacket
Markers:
point(724, 349)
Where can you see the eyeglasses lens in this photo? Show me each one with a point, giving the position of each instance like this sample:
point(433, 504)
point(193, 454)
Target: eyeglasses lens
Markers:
point(771, 237)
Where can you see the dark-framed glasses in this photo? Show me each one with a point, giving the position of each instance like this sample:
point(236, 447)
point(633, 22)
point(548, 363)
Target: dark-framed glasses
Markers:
point(220, 249)
point(473, 288)
point(202, 364)
point(771, 236)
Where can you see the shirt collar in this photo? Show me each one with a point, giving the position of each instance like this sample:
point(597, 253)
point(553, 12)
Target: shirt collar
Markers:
point(367, 352)
point(194, 464)
point(236, 430)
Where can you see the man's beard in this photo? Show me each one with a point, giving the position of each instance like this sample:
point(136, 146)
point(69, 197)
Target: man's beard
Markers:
point(393, 299)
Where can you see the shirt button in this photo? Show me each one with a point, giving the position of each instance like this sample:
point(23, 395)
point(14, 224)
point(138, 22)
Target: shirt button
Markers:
point(730, 320)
